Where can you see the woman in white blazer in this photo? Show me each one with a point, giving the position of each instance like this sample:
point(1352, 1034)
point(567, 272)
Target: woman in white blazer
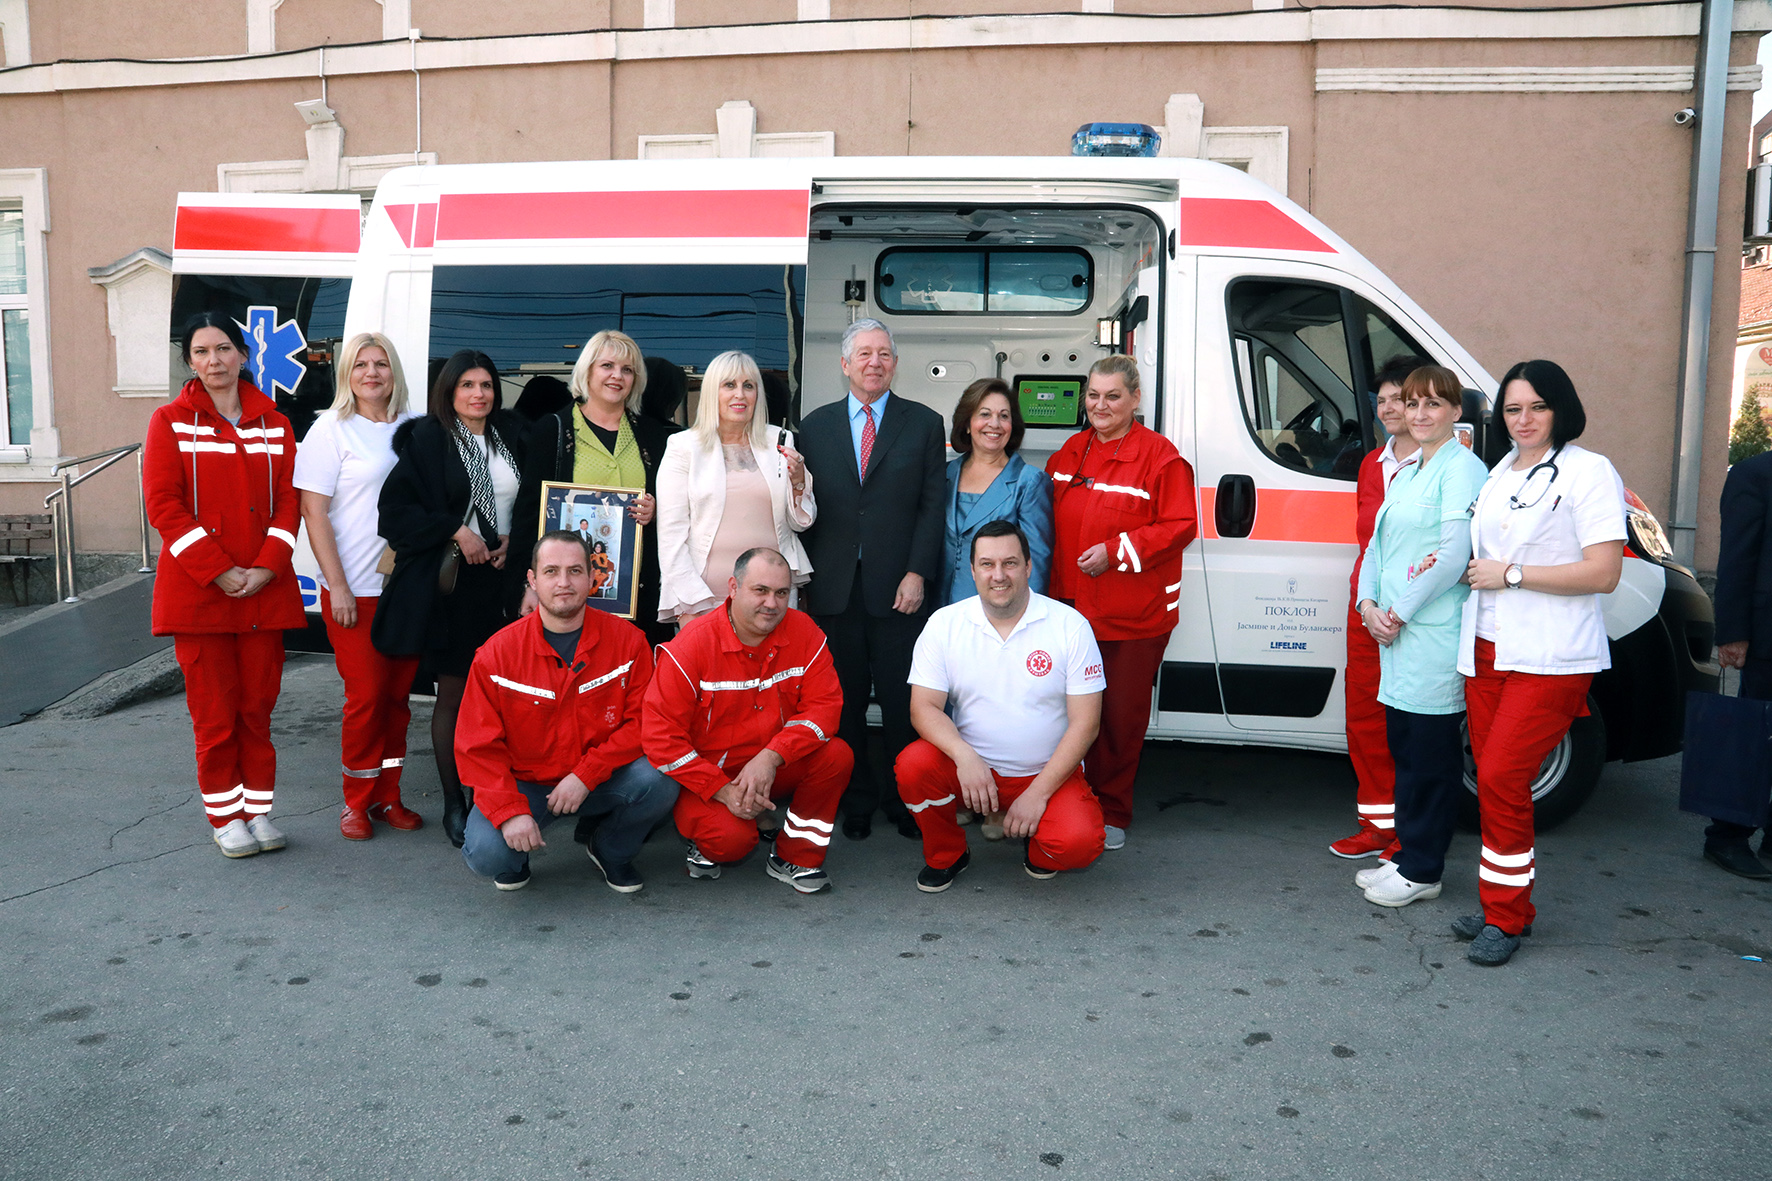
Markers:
point(1547, 540)
point(732, 483)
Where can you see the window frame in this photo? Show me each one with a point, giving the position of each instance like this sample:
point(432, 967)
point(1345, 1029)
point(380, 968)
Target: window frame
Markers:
point(28, 190)
point(986, 251)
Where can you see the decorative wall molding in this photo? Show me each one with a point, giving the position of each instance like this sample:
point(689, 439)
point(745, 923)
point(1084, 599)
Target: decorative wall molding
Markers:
point(261, 25)
point(1522, 79)
point(1262, 152)
point(326, 170)
point(138, 302)
point(659, 14)
point(813, 10)
point(15, 29)
point(1287, 26)
point(737, 137)
point(396, 19)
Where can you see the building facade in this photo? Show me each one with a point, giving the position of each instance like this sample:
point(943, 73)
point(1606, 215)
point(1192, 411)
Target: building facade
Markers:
point(1517, 170)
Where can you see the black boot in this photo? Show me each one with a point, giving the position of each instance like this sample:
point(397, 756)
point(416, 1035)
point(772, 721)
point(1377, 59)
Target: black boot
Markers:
point(455, 816)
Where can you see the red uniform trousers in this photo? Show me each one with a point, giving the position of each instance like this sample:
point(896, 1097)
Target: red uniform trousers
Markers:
point(1368, 745)
point(1069, 835)
point(231, 684)
point(814, 784)
point(377, 708)
point(1112, 762)
point(1515, 719)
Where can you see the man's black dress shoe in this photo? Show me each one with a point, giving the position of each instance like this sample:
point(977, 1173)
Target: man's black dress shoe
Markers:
point(1740, 861)
point(857, 828)
point(907, 827)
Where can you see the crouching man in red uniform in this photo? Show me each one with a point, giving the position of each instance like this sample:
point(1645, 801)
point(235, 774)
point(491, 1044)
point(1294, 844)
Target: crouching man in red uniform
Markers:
point(1023, 674)
point(550, 726)
point(743, 714)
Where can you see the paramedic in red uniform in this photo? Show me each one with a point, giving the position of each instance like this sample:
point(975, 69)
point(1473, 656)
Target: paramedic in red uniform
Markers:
point(550, 727)
point(1022, 676)
point(216, 476)
point(743, 713)
point(1548, 537)
point(1123, 499)
point(1367, 742)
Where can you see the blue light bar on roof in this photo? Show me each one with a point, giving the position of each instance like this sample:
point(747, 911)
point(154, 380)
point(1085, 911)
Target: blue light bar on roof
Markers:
point(1115, 139)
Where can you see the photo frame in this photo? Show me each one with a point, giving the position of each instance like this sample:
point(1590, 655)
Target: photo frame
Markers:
point(600, 514)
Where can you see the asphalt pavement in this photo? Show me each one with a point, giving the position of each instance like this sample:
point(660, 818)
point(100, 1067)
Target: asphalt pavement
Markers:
point(51, 652)
point(1214, 1001)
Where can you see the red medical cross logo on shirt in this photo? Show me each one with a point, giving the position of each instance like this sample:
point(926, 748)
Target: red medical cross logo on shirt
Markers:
point(1039, 664)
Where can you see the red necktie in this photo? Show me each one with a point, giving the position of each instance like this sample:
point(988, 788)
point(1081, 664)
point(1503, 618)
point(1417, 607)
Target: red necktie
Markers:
point(867, 440)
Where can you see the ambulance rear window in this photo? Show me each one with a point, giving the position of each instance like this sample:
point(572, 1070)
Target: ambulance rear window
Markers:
point(959, 280)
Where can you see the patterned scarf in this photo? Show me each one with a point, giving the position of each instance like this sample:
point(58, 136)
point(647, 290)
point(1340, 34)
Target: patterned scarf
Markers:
point(473, 458)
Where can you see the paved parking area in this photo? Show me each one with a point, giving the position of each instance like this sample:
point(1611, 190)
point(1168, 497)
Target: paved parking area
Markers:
point(1216, 1001)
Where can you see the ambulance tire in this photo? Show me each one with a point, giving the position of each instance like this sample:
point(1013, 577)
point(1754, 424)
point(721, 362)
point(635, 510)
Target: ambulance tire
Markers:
point(1568, 777)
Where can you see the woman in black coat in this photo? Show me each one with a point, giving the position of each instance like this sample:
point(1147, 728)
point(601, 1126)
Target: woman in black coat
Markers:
point(608, 383)
point(446, 509)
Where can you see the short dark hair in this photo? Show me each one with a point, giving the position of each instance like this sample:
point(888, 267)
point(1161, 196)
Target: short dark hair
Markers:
point(1397, 370)
point(442, 405)
point(558, 535)
point(961, 436)
point(1549, 382)
point(219, 320)
point(767, 552)
point(1001, 529)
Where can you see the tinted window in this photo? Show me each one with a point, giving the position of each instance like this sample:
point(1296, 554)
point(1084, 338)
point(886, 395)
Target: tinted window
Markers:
point(313, 308)
point(967, 279)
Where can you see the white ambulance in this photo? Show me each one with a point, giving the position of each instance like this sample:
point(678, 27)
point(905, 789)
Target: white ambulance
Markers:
point(1256, 330)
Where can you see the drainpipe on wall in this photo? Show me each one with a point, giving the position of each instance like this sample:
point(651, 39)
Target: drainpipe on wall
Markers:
point(1711, 80)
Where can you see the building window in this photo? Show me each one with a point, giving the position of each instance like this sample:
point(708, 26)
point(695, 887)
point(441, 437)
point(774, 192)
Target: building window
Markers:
point(1765, 146)
point(15, 329)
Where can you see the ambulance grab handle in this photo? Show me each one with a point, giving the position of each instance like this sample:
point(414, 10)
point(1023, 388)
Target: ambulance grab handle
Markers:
point(1233, 510)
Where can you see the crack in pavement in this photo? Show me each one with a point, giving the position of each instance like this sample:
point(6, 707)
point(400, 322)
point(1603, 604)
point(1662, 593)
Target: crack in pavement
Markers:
point(109, 841)
point(99, 870)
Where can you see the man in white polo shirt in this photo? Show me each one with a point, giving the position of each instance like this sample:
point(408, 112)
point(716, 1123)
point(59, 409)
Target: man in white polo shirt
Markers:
point(1022, 673)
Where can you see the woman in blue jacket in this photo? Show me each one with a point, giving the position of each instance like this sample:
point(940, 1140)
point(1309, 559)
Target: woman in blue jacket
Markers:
point(990, 482)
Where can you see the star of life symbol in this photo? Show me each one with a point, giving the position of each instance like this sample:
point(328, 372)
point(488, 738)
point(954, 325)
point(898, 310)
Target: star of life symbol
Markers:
point(1039, 664)
point(271, 349)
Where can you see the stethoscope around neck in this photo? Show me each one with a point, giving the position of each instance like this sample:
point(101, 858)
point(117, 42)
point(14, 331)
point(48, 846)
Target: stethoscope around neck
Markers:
point(1518, 501)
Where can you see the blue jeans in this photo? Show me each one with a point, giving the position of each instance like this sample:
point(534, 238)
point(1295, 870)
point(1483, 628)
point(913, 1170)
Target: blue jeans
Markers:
point(631, 802)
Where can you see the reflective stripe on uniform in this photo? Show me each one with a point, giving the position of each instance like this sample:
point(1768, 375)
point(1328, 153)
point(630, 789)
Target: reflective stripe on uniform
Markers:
point(283, 535)
point(371, 773)
point(810, 725)
point(1128, 550)
point(605, 678)
point(754, 683)
point(187, 541)
point(185, 428)
point(224, 448)
point(805, 834)
point(1127, 489)
point(529, 689)
point(947, 799)
point(679, 764)
point(1506, 879)
point(1510, 860)
point(1377, 809)
point(386, 764)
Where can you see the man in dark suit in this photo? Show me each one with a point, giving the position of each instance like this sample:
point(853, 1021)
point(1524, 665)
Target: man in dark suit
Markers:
point(879, 462)
point(1744, 629)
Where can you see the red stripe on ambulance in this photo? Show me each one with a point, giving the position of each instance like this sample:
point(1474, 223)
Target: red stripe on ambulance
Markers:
point(710, 213)
point(1291, 514)
point(416, 224)
point(1244, 224)
point(265, 230)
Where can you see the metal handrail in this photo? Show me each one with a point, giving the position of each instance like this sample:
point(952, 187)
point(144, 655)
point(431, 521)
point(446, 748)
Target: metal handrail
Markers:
point(61, 501)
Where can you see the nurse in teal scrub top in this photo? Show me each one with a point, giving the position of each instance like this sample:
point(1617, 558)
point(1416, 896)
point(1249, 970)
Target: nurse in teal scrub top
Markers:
point(1411, 600)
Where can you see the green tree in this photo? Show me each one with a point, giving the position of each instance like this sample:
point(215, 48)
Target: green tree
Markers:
point(1748, 437)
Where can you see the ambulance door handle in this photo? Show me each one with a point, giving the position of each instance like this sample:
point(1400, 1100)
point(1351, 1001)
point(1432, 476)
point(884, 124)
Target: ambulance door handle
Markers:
point(1233, 510)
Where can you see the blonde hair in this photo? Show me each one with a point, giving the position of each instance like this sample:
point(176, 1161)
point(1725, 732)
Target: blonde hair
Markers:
point(738, 366)
point(624, 348)
point(1118, 363)
point(344, 402)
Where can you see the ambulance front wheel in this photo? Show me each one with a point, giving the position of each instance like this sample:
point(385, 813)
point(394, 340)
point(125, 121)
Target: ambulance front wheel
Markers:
point(1566, 779)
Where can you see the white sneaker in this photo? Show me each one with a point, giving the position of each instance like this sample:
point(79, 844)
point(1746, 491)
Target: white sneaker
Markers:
point(265, 833)
point(990, 826)
point(1113, 837)
point(1397, 890)
point(963, 817)
point(1367, 878)
point(235, 840)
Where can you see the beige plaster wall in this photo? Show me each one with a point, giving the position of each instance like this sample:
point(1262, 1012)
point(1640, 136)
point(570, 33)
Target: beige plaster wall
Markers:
point(65, 29)
point(492, 18)
point(305, 23)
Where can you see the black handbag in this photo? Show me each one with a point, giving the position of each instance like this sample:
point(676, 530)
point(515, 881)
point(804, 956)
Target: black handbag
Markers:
point(1726, 768)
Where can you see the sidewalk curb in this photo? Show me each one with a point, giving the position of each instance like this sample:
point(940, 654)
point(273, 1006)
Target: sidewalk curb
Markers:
point(152, 676)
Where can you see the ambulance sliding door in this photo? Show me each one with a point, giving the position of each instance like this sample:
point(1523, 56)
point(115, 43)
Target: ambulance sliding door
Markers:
point(1285, 358)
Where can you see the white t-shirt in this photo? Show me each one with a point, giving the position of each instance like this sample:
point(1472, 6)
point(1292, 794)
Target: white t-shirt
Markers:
point(348, 460)
point(504, 483)
point(1492, 526)
point(1007, 697)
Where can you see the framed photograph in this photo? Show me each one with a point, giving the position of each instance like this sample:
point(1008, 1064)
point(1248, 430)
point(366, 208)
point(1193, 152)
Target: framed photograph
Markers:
point(600, 516)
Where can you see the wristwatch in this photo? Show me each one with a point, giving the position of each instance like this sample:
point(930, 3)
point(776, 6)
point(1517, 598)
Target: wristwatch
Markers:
point(1513, 576)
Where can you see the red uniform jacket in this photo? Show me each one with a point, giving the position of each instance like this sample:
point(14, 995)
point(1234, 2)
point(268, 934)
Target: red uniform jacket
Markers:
point(527, 716)
point(1369, 498)
point(715, 703)
point(221, 496)
point(1137, 495)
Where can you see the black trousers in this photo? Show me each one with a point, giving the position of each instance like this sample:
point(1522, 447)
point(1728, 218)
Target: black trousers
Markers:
point(1429, 752)
point(873, 651)
point(1756, 682)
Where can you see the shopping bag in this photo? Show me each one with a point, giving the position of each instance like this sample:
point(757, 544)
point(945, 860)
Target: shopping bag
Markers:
point(1726, 770)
